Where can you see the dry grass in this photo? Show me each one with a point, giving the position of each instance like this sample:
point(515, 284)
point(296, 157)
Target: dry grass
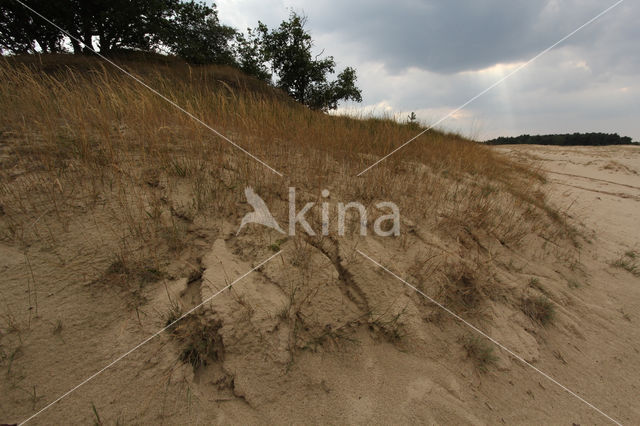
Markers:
point(82, 144)
point(462, 289)
point(200, 342)
point(539, 309)
point(92, 161)
point(83, 134)
point(629, 262)
point(480, 350)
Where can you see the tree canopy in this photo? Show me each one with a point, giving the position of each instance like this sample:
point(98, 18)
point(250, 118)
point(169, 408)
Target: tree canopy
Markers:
point(288, 48)
point(193, 31)
point(190, 29)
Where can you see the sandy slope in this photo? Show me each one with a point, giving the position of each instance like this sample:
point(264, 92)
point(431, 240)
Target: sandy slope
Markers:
point(603, 181)
point(364, 348)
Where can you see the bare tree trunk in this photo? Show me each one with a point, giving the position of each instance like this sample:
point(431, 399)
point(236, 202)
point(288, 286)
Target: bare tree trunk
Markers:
point(77, 50)
point(87, 40)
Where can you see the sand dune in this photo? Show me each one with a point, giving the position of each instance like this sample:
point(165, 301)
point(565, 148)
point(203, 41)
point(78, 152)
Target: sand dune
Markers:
point(128, 296)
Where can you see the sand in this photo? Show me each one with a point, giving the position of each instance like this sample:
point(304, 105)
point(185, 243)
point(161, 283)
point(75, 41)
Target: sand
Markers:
point(357, 345)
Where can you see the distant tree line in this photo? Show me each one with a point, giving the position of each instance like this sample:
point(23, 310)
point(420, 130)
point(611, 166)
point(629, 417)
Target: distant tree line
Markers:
point(190, 29)
point(586, 139)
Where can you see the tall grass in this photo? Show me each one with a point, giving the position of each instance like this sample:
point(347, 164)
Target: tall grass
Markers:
point(80, 133)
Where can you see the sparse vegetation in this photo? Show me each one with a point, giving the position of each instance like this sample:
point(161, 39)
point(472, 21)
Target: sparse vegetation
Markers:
point(535, 283)
point(388, 323)
point(116, 139)
point(138, 271)
point(539, 309)
point(335, 337)
point(275, 247)
point(625, 315)
point(480, 350)
point(199, 341)
point(173, 314)
point(150, 190)
point(461, 290)
point(629, 262)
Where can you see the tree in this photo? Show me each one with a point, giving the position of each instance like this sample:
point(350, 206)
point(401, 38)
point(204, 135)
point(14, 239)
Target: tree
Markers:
point(190, 29)
point(115, 24)
point(302, 76)
point(193, 31)
point(250, 54)
point(585, 139)
point(122, 24)
point(21, 31)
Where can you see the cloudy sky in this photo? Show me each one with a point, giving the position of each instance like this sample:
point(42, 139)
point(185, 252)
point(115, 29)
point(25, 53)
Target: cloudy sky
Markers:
point(432, 56)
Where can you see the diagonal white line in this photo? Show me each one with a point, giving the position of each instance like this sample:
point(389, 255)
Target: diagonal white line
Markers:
point(145, 341)
point(495, 342)
point(492, 86)
point(193, 117)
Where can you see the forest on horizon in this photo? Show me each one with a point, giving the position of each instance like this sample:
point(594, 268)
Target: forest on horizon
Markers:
point(568, 139)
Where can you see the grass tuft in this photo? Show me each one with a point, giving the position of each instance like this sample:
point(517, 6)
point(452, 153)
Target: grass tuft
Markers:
point(539, 309)
point(480, 350)
point(629, 262)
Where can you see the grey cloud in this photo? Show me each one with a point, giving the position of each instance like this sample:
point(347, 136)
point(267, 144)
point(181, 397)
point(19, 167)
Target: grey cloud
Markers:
point(424, 56)
point(456, 35)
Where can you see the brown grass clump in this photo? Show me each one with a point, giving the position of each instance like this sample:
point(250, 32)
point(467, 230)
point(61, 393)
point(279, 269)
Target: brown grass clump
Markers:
point(629, 262)
point(198, 337)
point(462, 290)
point(480, 350)
point(539, 309)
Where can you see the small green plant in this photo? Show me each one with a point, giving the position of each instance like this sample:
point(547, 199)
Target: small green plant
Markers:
point(480, 351)
point(97, 421)
point(275, 247)
point(539, 309)
point(10, 358)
